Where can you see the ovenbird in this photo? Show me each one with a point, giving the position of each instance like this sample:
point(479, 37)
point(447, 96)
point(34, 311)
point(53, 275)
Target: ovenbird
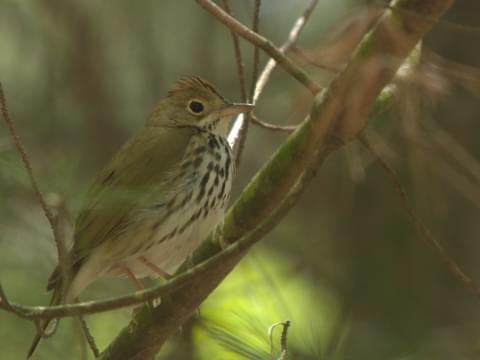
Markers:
point(160, 195)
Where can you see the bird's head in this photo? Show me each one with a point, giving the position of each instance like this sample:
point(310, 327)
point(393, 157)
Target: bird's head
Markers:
point(195, 102)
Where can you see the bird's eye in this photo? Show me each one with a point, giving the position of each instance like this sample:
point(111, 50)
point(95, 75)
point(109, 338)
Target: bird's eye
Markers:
point(196, 107)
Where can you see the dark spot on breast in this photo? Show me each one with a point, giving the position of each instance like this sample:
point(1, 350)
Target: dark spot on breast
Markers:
point(171, 203)
point(210, 166)
point(186, 164)
point(172, 234)
point(222, 190)
point(156, 225)
point(199, 150)
point(109, 177)
point(201, 194)
point(186, 199)
point(198, 160)
point(180, 175)
point(204, 180)
point(213, 143)
point(157, 205)
point(186, 225)
point(162, 239)
point(213, 203)
point(227, 166)
point(210, 191)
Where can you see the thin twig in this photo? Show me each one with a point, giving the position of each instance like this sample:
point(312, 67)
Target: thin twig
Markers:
point(238, 56)
point(311, 61)
point(243, 132)
point(270, 66)
point(425, 233)
point(270, 126)
point(5, 303)
point(292, 38)
point(25, 159)
point(88, 336)
point(263, 43)
point(256, 51)
point(52, 219)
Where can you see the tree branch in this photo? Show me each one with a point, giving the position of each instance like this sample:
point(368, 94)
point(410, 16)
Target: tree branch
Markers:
point(263, 43)
point(52, 220)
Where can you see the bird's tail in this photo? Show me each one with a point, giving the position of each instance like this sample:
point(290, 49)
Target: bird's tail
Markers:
point(55, 300)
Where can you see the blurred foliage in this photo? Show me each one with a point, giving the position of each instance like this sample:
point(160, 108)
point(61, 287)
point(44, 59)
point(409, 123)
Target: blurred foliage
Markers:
point(346, 266)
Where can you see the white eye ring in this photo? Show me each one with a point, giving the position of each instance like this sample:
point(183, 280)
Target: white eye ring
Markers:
point(196, 107)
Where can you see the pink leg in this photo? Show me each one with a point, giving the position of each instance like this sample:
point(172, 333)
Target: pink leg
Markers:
point(154, 268)
point(136, 283)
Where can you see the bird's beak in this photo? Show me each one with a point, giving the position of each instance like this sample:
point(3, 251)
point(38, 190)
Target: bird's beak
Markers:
point(230, 110)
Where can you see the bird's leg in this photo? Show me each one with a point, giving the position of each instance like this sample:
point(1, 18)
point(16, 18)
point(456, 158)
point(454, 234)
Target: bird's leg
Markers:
point(160, 272)
point(136, 283)
point(163, 274)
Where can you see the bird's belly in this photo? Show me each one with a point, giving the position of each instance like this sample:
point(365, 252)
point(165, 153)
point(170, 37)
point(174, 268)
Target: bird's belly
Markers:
point(180, 233)
point(170, 254)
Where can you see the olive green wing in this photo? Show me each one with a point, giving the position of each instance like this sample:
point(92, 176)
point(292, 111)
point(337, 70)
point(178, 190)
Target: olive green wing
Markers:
point(140, 166)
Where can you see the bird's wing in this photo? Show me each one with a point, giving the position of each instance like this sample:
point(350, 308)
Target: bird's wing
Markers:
point(140, 166)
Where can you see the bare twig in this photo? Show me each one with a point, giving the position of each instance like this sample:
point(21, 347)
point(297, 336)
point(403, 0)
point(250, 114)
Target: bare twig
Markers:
point(243, 131)
point(52, 219)
point(256, 51)
point(270, 126)
point(5, 303)
point(310, 60)
point(292, 38)
point(88, 336)
point(238, 56)
point(270, 66)
point(452, 266)
point(261, 42)
point(23, 155)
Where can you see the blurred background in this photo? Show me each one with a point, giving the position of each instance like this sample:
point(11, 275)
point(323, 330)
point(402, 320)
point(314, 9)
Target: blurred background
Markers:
point(346, 266)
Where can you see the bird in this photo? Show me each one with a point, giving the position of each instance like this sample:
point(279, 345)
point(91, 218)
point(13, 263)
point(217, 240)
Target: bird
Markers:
point(158, 198)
